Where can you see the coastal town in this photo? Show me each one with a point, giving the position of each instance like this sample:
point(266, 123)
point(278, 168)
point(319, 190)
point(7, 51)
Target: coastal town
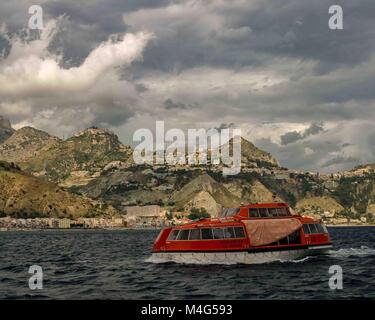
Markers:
point(136, 218)
point(147, 217)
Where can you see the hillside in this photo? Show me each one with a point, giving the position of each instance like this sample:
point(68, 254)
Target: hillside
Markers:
point(253, 157)
point(74, 161)
point(356, 194)
point(251, 154)
point(96, 165)
point(320, 204)
point(251, 191)
point(26, 144)
point(22, 195)
point(205, 192)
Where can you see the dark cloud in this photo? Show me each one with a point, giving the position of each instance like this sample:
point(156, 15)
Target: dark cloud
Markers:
point(371, 142)
point(290, 137)
point(314, 128)
point(170, 104)
point(340, 160)
point(293, 136)
point(140, 87)
point(298, 29)
point(326, 152)
point(226, 63)
point(344, 145)
point(225, 126)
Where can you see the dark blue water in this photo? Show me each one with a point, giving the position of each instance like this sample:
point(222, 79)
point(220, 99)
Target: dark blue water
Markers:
point(111, 265)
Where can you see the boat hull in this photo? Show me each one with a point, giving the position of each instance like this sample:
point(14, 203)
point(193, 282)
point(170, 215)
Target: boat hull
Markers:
point(244, 257)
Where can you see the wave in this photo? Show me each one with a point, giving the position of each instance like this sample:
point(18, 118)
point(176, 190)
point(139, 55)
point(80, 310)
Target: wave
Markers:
point(191, 260)
point(297, 260)
point(348, 252)
point(186, 260)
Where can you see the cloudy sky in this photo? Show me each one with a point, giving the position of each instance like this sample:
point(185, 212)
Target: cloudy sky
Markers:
point(297, 89)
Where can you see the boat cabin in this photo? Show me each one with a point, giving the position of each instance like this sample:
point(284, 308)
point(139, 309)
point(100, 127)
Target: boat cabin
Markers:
point(254, 227)
point(257, 210)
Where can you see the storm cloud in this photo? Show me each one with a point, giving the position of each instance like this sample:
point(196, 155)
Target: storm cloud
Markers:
point(296, 88)
point(294, 136)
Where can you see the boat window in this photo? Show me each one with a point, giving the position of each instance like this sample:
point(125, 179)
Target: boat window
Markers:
point(206, 234)
point(173, 235)
point(313, 228)
point(183, 235)
point(320, 228)
point(218, 233)
point(306, 229)
point(284, 241)
point(294, 238)
point(253, 213)
point(282, 212)
point(263, 212)
point(230, 212)
point(195, 234)
point(229, 233)
point(273, 212)
point(239, 232)
point(324, 228)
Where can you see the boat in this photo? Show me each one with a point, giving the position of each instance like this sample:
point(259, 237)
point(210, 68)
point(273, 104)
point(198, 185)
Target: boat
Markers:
point(249, 234)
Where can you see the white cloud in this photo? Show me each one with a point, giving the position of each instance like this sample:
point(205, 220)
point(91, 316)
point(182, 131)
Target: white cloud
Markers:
point(33, 83)
point(30, 69)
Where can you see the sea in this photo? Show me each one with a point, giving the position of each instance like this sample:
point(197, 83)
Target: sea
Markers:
point(107, 264)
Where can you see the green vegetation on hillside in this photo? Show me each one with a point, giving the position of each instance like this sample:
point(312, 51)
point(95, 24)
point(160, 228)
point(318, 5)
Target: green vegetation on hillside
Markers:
point(198, 213)
point(355, 192)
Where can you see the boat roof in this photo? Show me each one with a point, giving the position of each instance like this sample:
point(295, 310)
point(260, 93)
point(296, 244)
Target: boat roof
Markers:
point(210, 222)
point(237, 218)
point(235, 221)
point(266, 205)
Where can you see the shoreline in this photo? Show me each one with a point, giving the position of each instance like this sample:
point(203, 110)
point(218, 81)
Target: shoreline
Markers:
point(350, 225)
point(151, 228)
point(76, 229)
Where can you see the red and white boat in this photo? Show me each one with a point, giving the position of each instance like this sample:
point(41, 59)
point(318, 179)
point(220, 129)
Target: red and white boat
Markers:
point(254, 233)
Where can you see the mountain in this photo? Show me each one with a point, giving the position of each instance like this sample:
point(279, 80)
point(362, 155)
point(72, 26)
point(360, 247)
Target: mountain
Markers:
point(6, 129)
point(253, 157)
point(25, 196)
point(261, 180)
point(74, 161)
point(94, 164)
point(25, 144)
point(251, 154)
